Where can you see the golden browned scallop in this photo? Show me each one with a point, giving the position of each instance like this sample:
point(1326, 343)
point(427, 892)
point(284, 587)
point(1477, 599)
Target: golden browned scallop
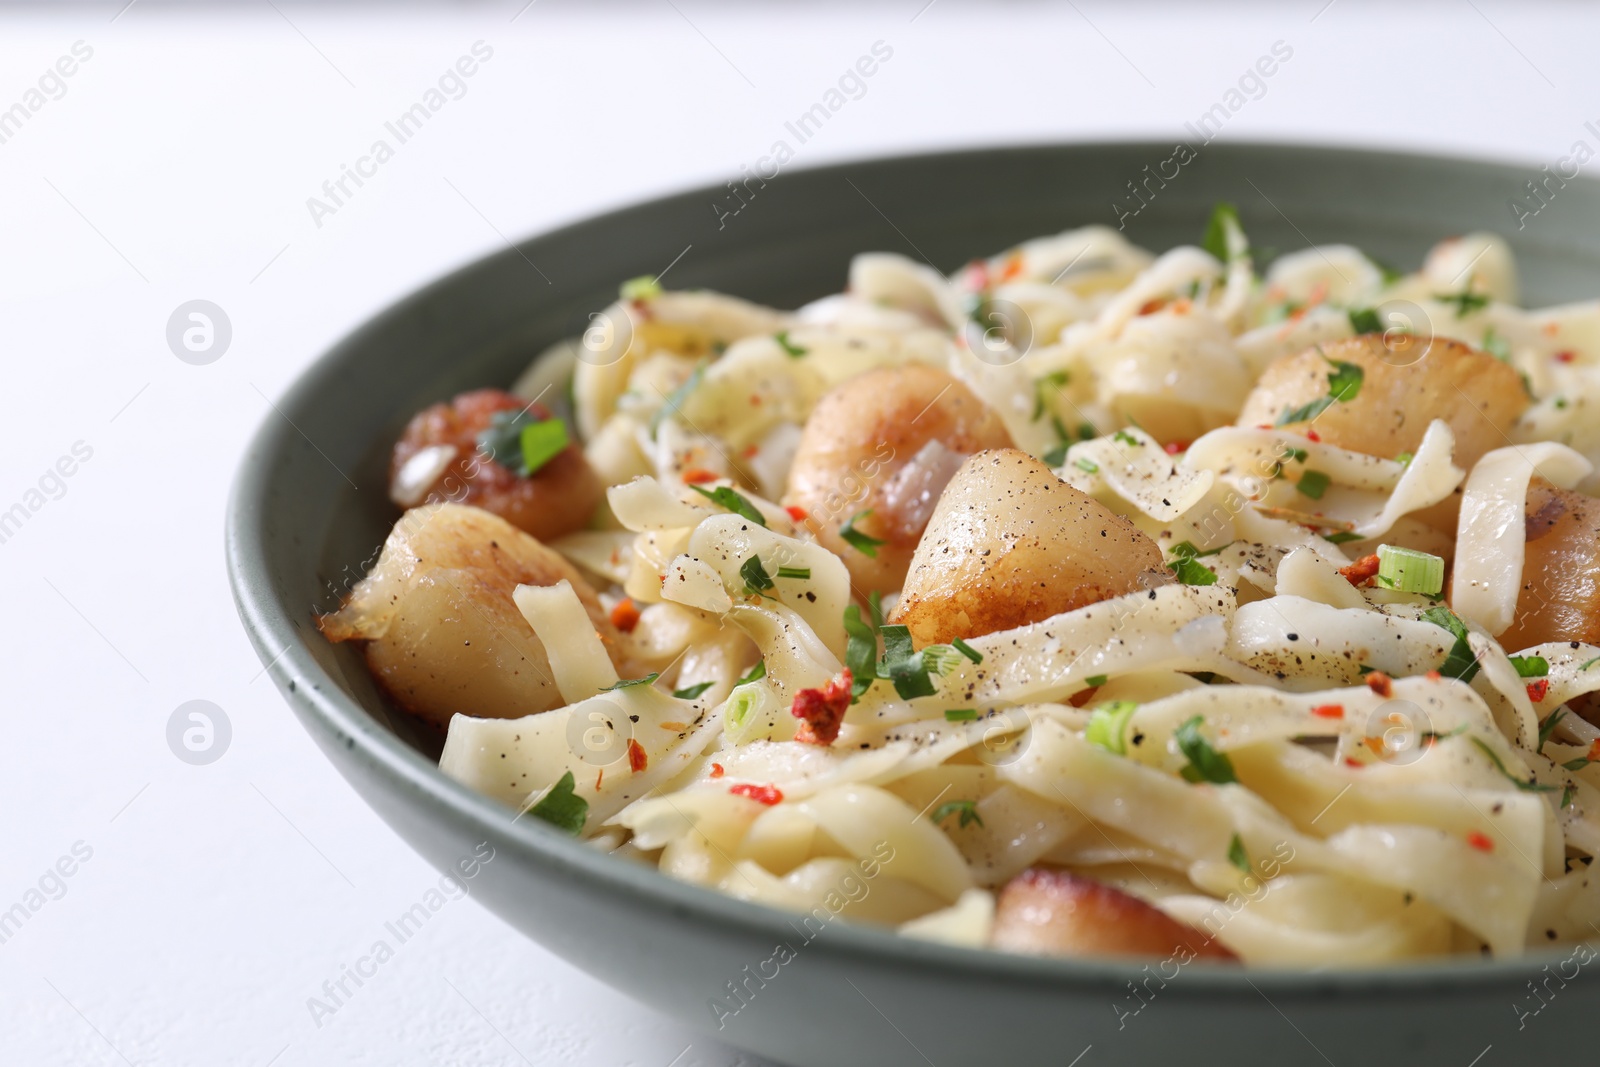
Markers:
point(1010, 543)
point(1560, 597)
point(441, 632)
point(438, 458)
point(1045, 911)
point(1408, 381)
point(886, 442)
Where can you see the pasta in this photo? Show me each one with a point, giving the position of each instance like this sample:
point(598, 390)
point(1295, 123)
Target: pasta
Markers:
point(1087, 601)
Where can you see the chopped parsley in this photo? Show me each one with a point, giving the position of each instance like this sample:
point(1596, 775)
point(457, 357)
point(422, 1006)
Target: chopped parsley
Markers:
point(790, 349)
point(1548, 727)
point(1057, 455)
point(756, 579)
point(1186, 566)
point(1341, 537)
point(860, 652)
point(690, 692)
point(1055, 379)
point(1365, 320)
point(1237, 855)
point(561, 807)
point(1529, 786)
point(1088, 466)
point(521, 443)
point(1344, 383)
point(1531, 666)
point(1496, 345)
point(675, 400)
point(1096, 680)
point(1224, 217)
point(1313, 484)
point(629, 683)
point(1465, 301)
point(862, 543)
point(1404, 459)
point(967, 808)
point(758, 672)
point(1206, 764)
point(1566, 796)
point(729, 500)
point(1124, 438)
point(1460, 662)
point(902, 665)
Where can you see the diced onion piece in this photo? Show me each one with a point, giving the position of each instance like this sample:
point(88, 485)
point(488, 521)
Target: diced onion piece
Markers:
point(1410, 571)
point(418, 473)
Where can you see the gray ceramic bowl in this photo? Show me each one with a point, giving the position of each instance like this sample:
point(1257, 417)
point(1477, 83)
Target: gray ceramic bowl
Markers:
point(298, 531)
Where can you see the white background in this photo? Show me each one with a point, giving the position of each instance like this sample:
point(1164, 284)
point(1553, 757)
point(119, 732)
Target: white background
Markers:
point(177, 166)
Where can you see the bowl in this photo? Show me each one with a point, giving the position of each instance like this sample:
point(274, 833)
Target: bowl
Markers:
point(309, 509)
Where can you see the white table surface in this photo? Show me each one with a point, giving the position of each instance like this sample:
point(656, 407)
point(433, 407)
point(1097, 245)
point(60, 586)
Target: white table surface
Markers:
point(176, 165)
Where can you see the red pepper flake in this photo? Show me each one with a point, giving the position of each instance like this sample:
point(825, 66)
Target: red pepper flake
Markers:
point(822, 710)
point(599, 776)
point(1151, 306)
point(637, 759)
point(1013, 267)
point(1566, 357)
point(755, 400)
point(1263, 425)
point(1328, 711)
point(717, 770)
point(698, 476)
point(1311, 435)
point(1538, 689)
point(625, 615)
point(1357, 764)
point(1176, 448)
point(1375, 745)
point(1593, 755)
point(1480, 841)
point(749, 451)
point(1362, 570)
point(1381, 684)
point(798, 514)
point(761, 794)
point(1434, 676)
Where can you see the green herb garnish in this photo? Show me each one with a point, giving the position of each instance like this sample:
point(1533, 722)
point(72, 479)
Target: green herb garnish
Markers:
point(862, 543)
point(730, 500)
point(794, 572)
point(628, 683)
point(1365, 320)
point(1529, 786)
point(1547, 727)
point(1108, 726)
point(758, 672)
point(675, 400)
point(1237, 856)
point(690, 692)
point(1465, 301)
point(561, 807)
point(1055, 379)
point(1224, 217)
point(1460, 663)
point(790, 349)
point(644, 287)
point(756, 579)
point(1206, 764)
point(961, 715)
point(966, 650)
point(967, 808)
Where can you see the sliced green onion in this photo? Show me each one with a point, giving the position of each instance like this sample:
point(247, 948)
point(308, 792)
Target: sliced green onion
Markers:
point(966, 650)
point(643, 287)
point(1088, 466)
point(1108, 726)
point(1410, 571)
point(941, 659)
point(961, 715)
point(744, 711)
point(794, 572)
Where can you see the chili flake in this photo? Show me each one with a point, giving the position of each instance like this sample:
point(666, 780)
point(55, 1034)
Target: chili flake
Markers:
point(1480, 841)
point(1380, 684)
point(1328, 711)
point(761, 794)
point(638, 760)
point(625, 615)
point(822, 710)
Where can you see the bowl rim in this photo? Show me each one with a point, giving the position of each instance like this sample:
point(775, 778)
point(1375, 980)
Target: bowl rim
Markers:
point(284, 650)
